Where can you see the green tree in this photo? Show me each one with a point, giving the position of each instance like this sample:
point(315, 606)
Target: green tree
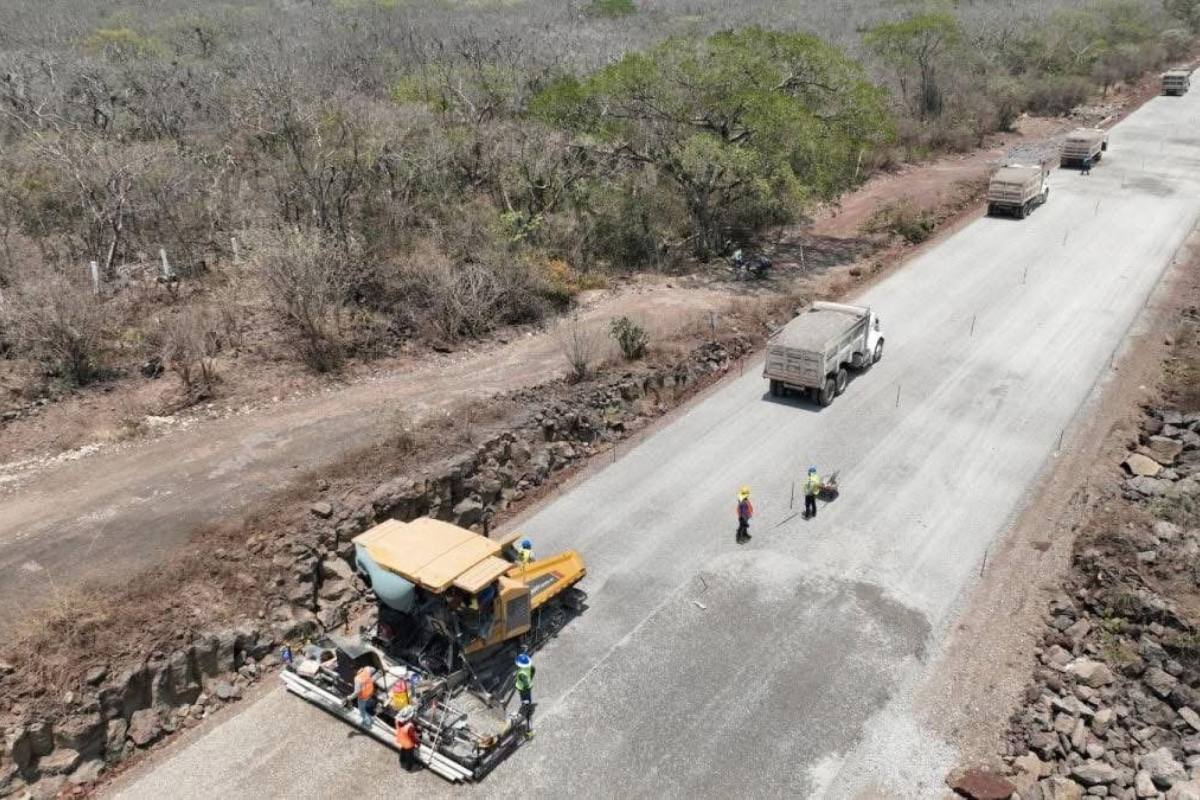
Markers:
point(747, 125)
point(916, 47)
point(1186, 11)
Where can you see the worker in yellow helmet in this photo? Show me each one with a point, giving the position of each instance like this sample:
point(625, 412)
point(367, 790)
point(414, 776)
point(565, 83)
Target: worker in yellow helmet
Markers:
point(744, 512)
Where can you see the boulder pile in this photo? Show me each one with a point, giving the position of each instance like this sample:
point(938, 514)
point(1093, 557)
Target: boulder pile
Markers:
point(1113, 709)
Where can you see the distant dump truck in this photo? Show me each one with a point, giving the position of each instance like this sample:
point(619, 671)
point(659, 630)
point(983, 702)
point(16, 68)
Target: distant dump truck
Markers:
point(813, 352)
point(1082, 144)
point(1017, 189)
point(1176, 82)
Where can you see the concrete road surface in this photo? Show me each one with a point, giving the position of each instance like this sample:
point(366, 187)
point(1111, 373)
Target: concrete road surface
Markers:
point(784, 667)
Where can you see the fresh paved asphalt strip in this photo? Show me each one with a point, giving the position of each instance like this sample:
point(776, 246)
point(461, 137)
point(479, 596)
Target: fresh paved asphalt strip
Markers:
point(784, 667)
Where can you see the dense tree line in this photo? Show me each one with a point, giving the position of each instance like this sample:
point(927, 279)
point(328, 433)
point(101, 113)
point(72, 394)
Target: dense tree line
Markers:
point(390, 168)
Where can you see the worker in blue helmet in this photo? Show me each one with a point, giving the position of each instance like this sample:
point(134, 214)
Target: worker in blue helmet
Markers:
point(812, 487)
point(524, 686)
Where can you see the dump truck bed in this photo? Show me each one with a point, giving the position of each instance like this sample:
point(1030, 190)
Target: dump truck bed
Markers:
point(813, 344)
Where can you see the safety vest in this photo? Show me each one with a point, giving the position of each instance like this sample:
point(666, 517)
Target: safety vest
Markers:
point(406, 735)
point(813, 485)
point(366, 684)
point(524, 678)
point(400, 694)
point(473, 603)
point(525, 554)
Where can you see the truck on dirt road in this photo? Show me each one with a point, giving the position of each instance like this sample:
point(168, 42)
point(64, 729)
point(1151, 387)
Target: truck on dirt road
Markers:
point(1018, 189)
point(1176, 82)
point(814, 352)
point(1082, 144)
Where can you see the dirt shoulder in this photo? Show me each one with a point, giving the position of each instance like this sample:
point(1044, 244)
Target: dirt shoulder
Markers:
point(983, 671)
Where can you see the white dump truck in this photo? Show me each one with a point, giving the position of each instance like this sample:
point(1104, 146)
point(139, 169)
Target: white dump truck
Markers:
point(1017, 189)
point(1176, 82)
point(1082, 144)
point(814, 352)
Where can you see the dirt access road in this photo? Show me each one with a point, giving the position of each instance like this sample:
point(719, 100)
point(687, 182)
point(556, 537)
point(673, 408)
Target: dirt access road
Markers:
point(102, 517)
point(105, 516)
point(789, 665)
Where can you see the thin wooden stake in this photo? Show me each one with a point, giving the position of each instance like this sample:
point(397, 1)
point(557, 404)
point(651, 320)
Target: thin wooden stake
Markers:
point(897, 395)
point(973, 316)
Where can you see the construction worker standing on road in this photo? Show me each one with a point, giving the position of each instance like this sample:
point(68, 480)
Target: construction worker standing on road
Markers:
point(364, 695)
point(1087, 165)
point(407, 739)
point(744, 512)
point(524, 686)
point(812, 487)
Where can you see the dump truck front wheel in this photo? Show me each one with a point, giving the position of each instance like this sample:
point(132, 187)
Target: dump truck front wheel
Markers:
point(878, 355)
point(827, 393)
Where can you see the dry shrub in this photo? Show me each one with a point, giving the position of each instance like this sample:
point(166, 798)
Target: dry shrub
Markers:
point(448, 301)
point(59, 323)
point(191, 342)
point(903, 218)
point(307, 278)
point(579, 343)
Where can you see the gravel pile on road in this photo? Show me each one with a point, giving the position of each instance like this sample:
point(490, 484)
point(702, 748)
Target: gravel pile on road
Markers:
point(62, 738)
point(1114, 707)
point(1032, 153)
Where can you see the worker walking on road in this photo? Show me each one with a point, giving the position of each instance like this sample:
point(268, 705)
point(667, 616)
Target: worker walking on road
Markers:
point(812, 487)
point(364, 695)
point(744, 512)
point(524, 687)
point(407, 739)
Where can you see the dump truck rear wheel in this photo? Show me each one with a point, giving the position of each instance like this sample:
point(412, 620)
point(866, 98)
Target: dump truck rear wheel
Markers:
point(1023, 211)
point(776, 388)
point(843, 378)
point(827, 393)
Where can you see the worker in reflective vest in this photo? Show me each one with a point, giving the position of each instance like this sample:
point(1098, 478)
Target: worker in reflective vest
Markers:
point(407, 739)
point(525, 552)
point(744, 512)
point(364, 695)
point(812, 487)
point(524, 687)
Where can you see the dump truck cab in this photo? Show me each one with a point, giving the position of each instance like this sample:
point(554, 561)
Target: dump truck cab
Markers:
point(446, 592)
point(1176, 82)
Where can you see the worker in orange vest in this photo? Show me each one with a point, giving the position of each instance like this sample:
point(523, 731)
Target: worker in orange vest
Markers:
point(407, 739)
point(364, 695)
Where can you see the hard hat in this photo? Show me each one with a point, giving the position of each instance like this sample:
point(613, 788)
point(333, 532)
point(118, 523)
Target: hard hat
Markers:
point(523, 661)
point(528, 545)
point(811, 470)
